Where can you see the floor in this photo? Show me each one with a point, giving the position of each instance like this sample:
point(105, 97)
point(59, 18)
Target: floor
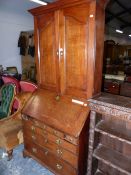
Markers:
point(20, 166)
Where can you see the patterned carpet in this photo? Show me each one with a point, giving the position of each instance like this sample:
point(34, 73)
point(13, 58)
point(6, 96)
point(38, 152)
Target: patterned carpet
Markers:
point(20, 166)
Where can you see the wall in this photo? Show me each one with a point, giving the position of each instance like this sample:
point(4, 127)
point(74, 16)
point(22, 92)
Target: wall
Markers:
point(12, 21)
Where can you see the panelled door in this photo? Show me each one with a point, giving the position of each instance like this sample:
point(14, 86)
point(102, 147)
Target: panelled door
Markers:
point(63, 41)
point(73, 44)
point(47, 43)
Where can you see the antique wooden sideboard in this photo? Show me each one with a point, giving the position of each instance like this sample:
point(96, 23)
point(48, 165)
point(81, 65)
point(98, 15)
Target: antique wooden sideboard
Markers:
point(69, 39)
point(110, 135)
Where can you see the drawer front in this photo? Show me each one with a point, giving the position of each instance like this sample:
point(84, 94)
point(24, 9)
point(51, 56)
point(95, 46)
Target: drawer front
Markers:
point(51, 130)
point(112, 87)
point(125, 89)
point(50, 160)
point(54, 148)
point(29, 127)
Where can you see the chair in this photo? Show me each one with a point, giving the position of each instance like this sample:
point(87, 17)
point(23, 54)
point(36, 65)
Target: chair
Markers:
point(8, 92)
point(10, 79)
point(27, 86)
point(11, 126)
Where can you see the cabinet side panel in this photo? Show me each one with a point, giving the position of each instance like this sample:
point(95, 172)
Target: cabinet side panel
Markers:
point(100, 18)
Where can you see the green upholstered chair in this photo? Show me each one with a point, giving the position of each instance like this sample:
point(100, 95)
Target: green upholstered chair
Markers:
point(8, 92)
point(11, 127)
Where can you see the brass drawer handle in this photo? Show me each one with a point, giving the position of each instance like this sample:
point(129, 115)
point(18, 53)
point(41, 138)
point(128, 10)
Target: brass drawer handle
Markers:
point(36, 123)
point(44, 132)
point(58, 141)
point(55, 132)
point(33, 137)
point(70, 139)
point(46, 140)
point(44, 126)
point(34, 150)
point(25, 117)
point(58, 166)
point(59, 152)
point(33, 128)
point(46, 153)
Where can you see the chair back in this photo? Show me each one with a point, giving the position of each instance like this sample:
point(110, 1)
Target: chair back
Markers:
point(10, 79)
point(27, 86)
point(8, 92)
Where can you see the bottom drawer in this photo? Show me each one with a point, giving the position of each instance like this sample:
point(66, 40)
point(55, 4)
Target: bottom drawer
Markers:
point(50, 160)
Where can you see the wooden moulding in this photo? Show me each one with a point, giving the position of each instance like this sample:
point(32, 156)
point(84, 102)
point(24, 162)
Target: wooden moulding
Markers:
point(113, 159)
point(108, 111)
point(62, 3)
point(112, 105)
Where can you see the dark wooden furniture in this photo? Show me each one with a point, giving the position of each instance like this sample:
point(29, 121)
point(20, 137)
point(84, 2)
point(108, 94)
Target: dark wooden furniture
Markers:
point(118, 54)
point(69, 48)
point(110, 135)
point(125, 89)
point(112, 86)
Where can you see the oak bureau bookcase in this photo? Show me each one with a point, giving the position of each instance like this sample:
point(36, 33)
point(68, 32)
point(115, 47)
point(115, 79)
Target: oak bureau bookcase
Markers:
point(69, 37)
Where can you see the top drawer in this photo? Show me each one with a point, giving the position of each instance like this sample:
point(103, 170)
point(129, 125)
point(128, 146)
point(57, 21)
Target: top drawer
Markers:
point(50, 130)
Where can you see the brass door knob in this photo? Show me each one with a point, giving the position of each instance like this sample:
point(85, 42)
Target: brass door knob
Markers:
point(59, 167)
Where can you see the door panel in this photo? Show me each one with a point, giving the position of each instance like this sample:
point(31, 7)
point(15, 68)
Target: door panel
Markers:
point(75, 53)
point(48, 60)
point(75, 34)
point(65, 31)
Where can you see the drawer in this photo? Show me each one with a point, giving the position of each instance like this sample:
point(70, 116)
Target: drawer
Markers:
point(29, 127)
point(112, 87)
point(50, 130)
point(54, 148)
point(125, 89)
point(50, 160)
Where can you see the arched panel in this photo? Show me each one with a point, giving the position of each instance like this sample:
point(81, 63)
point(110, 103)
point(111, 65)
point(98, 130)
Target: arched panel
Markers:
point(75, 44)
point(48, 62)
